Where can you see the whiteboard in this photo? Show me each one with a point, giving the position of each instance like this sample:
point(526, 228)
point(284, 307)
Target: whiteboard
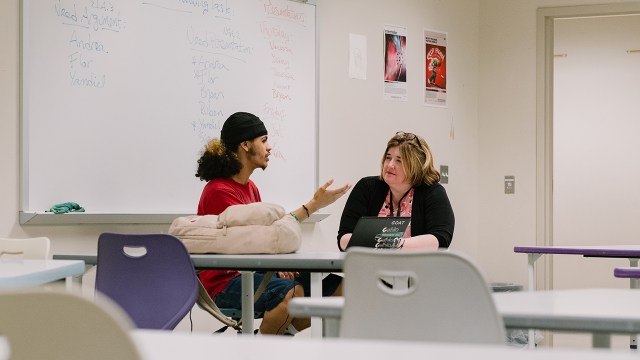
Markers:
point(119, 98)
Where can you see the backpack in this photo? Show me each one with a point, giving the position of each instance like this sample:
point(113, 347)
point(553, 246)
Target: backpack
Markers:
point(256, 228)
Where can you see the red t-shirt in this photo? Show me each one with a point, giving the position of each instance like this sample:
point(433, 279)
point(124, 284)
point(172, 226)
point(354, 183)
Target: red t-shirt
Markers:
point(216, 196)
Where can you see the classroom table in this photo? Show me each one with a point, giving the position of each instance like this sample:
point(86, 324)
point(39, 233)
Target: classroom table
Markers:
point(601, 312)
point(314, 262)
point(630, 252)
point(160, 345)
point(20, 273)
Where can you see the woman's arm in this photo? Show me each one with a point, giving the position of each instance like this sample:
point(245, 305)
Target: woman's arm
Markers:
point(363, 197)
point(433, 217)
point(427, 241)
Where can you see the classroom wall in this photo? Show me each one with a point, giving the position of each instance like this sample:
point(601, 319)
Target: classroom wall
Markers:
point(507, 114)
point(487, 132)
point(355, 122)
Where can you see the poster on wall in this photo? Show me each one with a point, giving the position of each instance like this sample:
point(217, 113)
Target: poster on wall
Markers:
point(435, 84)
point(395, 66)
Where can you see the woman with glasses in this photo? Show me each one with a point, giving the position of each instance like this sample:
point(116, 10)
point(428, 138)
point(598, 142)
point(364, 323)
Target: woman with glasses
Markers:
point(408, 185)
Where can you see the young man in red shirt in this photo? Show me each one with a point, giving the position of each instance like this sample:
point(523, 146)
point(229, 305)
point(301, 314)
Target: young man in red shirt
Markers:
point(227, 164)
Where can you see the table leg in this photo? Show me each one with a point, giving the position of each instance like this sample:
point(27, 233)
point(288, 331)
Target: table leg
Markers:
point(531, 286)
point(601, 340)
point(247, 302)
point(331, 327)
point(73, 283)
point(68, 281)
point(634, 283)
point(531, 259)
point(316, 291)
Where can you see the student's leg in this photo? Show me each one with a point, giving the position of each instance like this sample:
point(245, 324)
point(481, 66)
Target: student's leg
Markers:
point(277, 320)
point(338, 291)
point(272, 303)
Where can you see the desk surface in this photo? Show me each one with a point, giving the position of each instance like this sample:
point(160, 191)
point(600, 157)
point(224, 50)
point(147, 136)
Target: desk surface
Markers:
point(594, 310)
point(157, 345)
point(583, 310)
point(307, 261)
point(601, 250)
point(17, 273)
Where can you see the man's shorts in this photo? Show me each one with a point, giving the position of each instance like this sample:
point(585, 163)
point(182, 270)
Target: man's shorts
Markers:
point(275, 291)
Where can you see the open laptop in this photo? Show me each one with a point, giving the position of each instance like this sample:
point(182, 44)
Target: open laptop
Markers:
point(379, 232)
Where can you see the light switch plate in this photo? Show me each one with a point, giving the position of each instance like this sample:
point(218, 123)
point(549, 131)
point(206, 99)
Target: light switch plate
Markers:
point(509, 184)
point(444, 174)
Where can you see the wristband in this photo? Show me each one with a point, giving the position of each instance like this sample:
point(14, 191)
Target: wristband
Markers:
point(307, 210)
point(294, 216)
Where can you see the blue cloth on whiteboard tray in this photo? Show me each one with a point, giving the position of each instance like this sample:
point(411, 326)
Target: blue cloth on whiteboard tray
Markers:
point(66, 207)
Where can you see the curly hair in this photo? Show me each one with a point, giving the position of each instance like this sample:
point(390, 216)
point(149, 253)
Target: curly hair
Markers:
point(417, 159)
point(217, 162)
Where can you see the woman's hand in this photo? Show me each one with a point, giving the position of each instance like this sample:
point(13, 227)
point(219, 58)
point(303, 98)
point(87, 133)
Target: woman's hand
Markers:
point(344, 241)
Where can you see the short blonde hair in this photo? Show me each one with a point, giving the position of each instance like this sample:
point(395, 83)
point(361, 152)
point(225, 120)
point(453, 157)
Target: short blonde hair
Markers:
point(417, 159)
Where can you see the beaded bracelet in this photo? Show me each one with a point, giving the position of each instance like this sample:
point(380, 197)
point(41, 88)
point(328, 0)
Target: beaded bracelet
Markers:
point(294, 216)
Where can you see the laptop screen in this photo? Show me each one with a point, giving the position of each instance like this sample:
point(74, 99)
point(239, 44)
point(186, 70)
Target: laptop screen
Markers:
point(379, 232)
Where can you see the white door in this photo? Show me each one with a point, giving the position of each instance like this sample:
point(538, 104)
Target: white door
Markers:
point(596, 130)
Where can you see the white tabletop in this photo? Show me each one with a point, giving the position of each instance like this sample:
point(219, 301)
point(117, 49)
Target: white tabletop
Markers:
point(302, 261)
point(328, 261)
point(18, 273)
point(158, 345)
point(595, 310)
point(601, 312)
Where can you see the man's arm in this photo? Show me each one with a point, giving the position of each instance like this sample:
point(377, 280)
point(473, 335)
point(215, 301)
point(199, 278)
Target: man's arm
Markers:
point(322, 197)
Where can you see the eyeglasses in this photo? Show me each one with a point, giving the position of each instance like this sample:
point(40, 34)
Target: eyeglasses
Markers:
point(409, 137)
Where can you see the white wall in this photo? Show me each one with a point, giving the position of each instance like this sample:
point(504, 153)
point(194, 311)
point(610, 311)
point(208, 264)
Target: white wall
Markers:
point(355, 122)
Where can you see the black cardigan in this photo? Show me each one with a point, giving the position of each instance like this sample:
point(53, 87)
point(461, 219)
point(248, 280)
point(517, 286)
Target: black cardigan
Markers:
point(431, 211)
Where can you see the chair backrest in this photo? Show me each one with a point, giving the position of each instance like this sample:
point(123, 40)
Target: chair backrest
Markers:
point(29, 248)
point(444, 298)
point(59, 325)
point(151, 276)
